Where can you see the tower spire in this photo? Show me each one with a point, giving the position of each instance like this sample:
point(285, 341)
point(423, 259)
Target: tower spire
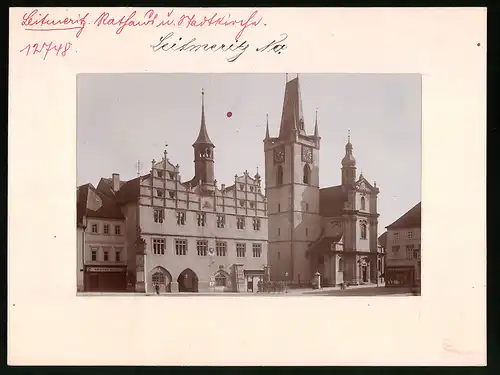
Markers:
point(203, 137)
point(292, 118)
point(348, 163)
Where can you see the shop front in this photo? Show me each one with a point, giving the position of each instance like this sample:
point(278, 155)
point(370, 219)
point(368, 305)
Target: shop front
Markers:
point(400, 276)
point(105, 279)
point(252, 279)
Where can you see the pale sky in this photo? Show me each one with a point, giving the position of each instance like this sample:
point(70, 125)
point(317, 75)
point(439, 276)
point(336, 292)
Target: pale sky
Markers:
point(123, 118)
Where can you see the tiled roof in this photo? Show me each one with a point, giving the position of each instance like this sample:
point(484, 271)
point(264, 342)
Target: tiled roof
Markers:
point(331, 201)
point(130, 190)
point(107, 207)
point(411, 219)
point(324, 245)
point(382, 240)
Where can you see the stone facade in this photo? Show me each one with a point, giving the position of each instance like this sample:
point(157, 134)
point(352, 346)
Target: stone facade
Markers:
point(330, 230)
point(192, 236)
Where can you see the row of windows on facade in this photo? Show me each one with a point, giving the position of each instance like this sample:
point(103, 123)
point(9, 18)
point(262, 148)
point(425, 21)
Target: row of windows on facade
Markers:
point(104, 255)
point(201, 219)
point(171, 176)
point(412, 252)
point(95, 229)
point(181, 248)
point(409, 235)
point(160, 193)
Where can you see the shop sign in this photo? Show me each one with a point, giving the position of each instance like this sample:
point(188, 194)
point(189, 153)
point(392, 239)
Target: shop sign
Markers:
point(104, 269)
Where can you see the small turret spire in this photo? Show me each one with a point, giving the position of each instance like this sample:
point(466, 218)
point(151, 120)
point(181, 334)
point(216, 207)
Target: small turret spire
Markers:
point(316, 131)
point(267, 126)
point(349, 136)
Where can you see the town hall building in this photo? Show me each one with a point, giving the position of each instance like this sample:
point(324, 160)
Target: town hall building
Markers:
point(331, 230)
point(194, 235)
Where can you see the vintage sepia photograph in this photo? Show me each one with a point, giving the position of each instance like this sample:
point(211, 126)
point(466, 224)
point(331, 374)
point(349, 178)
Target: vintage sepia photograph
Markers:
point(249, 184)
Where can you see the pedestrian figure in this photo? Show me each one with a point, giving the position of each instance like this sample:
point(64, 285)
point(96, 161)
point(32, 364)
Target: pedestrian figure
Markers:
point(342, 286)
point(157, 288)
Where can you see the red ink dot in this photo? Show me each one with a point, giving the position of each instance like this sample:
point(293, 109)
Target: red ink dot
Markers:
point(229, 114)
point(479, 44)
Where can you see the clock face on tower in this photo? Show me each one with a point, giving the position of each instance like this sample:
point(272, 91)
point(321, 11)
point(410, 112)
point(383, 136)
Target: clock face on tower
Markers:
point(307, 155)
point(279, 155)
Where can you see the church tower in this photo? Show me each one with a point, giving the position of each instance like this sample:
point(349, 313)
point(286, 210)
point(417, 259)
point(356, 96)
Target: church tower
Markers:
point(348, 165)
point(203, 154)
point(292, 190)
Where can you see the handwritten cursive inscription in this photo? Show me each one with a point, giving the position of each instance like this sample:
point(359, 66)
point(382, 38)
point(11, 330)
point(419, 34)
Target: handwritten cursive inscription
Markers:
point(39, 21)
point(36, 21)
point(43, 49)
point(171, 43)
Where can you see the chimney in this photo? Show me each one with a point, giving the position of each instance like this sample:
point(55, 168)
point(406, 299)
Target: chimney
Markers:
point(116, 182)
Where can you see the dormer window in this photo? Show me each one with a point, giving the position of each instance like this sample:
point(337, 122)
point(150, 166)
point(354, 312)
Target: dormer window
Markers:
point(171, 175)
point(171, 194)
point(242, 187)
point(159, 174)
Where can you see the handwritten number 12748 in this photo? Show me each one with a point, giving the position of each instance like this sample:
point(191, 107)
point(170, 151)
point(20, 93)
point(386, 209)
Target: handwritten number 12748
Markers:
point(46, 48)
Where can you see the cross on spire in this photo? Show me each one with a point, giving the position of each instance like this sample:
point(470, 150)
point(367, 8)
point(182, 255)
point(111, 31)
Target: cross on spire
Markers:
point(165, 152)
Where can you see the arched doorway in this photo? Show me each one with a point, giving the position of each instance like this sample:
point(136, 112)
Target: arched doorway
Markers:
point(161, 277)
point(188, 281)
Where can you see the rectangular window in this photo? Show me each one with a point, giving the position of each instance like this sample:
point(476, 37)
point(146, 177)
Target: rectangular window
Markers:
point(118, 230)
point(416, 254)
point(410, 235)
point(221, 248)
point(221, 221)
point(251, 189)
point(159, 174)
point(279, 231)
point(341, 265)
point(106, 229)
point(158, 246)
point(94, 255)
point(94, 228)
point(118, 255)
point(240, 223)
point(202, 248)
point(256, 223)
point(396, 236)
point(409, 251)
point(106, 255)
point(181, 218)
point(159, 192)
point(395, 249)
point(158, 215)
point(201, 218)
point(171, 175)
point(180, 247)
point(257, 250)
point(242, 187)
point(171, 194)
point(240, 250)
point(279, 207)
point(307, 231)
